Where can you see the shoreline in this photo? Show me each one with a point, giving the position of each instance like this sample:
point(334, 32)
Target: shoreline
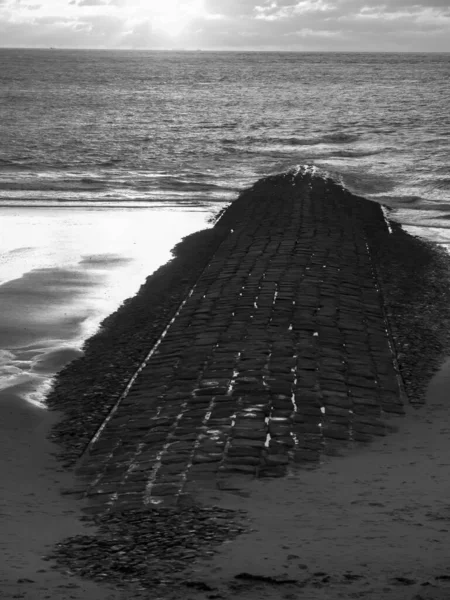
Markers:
point(412, 274)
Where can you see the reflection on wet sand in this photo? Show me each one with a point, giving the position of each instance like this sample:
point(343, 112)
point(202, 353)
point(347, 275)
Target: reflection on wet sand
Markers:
point(62, 271)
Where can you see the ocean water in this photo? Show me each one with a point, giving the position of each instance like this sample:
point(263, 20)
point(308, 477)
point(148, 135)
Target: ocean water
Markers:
point(131, 127)
point(92, 140)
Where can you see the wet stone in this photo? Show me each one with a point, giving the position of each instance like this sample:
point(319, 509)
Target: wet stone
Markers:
point(329, 385)
point(281, 444)
point(243, 460)
point(164, 489)
point(254, 434)
point(237, 468)
point(208, 467)
point(282, 404)
point(310, 441)
point(247, 443)
point(335, 432)
point(338, 399)
point(303, 428)
point(276, 460)
point(306, 455)
point(231, 351)
point(369, 429)
point(279, 429)
point(336, 411)
point(396, 409)
point(234, 451)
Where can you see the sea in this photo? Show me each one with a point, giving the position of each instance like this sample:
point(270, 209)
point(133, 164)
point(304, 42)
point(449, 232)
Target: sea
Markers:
point(109, 158)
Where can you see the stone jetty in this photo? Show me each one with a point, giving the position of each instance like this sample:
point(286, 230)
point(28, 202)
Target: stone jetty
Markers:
point(280, 353)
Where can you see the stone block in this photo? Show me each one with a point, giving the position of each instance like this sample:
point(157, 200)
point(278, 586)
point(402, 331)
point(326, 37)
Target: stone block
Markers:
point(329, 385)
point(335, 432)
point(282, 404)
point(209, 467)
point(273, 460)
point(236, 450)
point(173, 468)
point(335, 411)
point(396, 409)
point(228, 469)
point(369, 429)
point(164, 489)
point(247, 442)
point(338, 399)
point(279, 429)
point(357, 382)
point(201, 458)
point(310, 442)
point(308, 410)
point(302, 428)
point(272, 471)
point(253, 434)
point(232, 461)
point(301, 455)
point(365, 410)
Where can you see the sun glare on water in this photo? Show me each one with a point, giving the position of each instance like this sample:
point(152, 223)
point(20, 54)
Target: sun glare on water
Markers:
point(172, 16)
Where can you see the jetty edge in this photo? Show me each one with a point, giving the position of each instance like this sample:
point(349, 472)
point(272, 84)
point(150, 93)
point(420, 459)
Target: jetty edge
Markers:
point(413, 275)
point(280, 353)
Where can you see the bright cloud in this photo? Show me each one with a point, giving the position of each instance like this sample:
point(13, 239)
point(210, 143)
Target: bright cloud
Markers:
point(422, 25)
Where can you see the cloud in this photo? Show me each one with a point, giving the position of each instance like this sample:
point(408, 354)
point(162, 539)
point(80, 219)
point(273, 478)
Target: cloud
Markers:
point(230, 24)
point(230, 8)
point(273, 11)
point(89, 2)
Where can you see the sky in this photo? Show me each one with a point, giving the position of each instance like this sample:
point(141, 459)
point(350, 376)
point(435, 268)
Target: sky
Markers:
point(293, 25)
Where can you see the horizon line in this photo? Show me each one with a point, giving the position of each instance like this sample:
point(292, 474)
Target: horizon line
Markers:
point(216, 50)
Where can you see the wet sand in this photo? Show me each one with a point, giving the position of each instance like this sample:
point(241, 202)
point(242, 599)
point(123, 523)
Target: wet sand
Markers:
point(63, 270)
point(33, 514)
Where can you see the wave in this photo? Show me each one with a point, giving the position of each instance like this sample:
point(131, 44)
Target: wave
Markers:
point(36, 163)
point(438, 182)
point(134, 183)
point(356, 153)
point(111, 162)
point(15, 164)
point(52, 186)
point(341, 138)
point(359, 184)
point(216, 126)
point(332, 138)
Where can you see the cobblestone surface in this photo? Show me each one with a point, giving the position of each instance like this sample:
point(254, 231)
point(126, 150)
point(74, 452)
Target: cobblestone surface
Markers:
point(279, 354)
